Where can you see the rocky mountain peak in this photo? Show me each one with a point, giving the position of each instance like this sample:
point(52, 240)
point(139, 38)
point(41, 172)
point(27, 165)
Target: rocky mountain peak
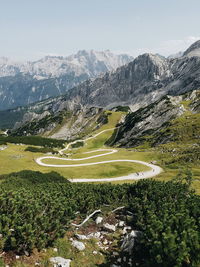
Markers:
point(90, 63)
point(150, 65)
point(193, 50)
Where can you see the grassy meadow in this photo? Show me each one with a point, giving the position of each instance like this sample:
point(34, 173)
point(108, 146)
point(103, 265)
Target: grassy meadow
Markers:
point(14, 158)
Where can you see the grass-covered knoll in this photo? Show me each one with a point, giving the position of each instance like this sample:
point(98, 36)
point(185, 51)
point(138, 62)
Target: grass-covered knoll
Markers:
point(106, 120)
point(40, 207)
point(99, 141)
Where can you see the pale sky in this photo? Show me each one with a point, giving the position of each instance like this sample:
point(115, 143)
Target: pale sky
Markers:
point(31, 29)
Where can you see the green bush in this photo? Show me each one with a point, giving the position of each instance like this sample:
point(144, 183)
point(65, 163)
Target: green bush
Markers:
point(121, 108)
point(37, 208)
point(40, 149)
point(77, 144)
point(168, 216)
point(33, 140)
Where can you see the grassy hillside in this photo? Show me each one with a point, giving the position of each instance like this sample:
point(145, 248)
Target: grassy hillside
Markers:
point(23, 158)
point(182, 152)
point(178, 155)
point(70, 125)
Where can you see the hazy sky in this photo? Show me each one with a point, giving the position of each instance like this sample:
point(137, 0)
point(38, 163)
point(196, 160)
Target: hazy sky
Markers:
point(30, 29)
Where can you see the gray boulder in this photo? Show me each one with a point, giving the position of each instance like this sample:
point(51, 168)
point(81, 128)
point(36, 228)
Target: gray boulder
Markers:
point(109, 227)
point(78, 245)
point(129, 241)
point(81, 237)
point(60, 262)
point(99, 220)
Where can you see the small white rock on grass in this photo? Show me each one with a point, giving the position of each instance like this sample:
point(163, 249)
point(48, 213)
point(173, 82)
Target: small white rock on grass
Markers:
point(109, 227)
point(96, 235)
point(105, 242)
point(81, 237)
point(78, 245)
point(121, 223)
point(99, 220)
point(60, 262)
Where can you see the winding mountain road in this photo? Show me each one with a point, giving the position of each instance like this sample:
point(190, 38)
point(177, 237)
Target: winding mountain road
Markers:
point(155, 170)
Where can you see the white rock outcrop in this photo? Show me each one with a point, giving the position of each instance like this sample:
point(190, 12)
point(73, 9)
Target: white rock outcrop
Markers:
point(109, 227)
point(121, 223)
point(99, 220)
point(81, 237)
point(78, 245)
point(129, 241)
point(60, 262)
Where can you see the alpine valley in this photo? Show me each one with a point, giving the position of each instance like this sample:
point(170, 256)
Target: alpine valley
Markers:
point(69, 125)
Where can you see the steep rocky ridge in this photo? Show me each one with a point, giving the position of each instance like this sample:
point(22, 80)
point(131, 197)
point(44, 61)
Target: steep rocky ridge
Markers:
point(193, 50)
point(143, 81)
point(166, 120)
point(64, 125)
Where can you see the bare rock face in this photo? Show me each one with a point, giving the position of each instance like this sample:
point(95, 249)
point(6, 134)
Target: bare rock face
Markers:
point(121, 223)
point(129, 241)
point(126, 85)
point(60, 262)
point(193, 50)
point(109, 227)
point(149, 122)
point(146, 121)
point(143, 81)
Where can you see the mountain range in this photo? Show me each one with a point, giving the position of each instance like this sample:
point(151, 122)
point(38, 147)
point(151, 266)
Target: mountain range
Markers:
point(145, 80)
point(52, 75)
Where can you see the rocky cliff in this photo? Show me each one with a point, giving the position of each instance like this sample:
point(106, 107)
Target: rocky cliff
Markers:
point(171, 119)
point(142, 82)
